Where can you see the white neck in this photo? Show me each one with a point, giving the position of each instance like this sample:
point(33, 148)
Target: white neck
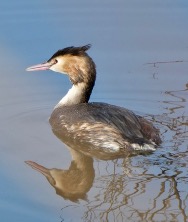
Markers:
point(73, 96)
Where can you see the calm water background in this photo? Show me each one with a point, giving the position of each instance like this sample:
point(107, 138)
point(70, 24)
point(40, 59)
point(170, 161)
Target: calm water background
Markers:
point(126, 36)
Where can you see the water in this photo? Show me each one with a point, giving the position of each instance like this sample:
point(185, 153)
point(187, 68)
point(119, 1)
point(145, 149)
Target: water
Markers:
point(126, 36)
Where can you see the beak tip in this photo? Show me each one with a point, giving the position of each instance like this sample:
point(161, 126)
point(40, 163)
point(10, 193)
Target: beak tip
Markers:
point(27, 162)
point(42, 66)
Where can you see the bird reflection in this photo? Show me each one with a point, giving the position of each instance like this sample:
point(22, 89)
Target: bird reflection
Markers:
point(74, 183)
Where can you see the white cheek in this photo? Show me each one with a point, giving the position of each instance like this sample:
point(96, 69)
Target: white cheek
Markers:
point(58, 67)
point(55, 68)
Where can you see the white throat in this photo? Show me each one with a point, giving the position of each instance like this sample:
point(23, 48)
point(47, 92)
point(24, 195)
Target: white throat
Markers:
point(73, 96)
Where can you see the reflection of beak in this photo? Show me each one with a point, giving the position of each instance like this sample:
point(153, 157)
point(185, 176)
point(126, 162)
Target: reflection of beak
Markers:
point(43, 66)
point(39, 168)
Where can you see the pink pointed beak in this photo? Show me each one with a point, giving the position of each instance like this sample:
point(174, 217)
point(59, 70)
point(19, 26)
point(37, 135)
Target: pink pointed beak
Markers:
point(43, 66)
point(45, 171)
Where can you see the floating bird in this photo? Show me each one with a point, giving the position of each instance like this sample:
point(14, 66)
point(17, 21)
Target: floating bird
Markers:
point(113, 129)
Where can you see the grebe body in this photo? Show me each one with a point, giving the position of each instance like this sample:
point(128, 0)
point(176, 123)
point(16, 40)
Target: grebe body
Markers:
point(114, 129)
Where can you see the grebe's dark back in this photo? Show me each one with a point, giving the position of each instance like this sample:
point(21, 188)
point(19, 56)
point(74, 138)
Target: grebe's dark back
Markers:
point(114, 129)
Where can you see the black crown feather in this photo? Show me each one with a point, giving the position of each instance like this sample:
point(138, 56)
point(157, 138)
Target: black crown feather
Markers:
point(75, 51)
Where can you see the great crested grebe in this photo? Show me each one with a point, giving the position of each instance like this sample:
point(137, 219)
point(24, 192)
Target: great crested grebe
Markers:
point(114, 129)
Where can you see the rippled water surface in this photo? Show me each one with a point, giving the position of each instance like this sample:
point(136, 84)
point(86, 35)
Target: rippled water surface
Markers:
point(141, 52)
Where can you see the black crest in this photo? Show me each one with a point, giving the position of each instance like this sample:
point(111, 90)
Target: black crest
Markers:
point(75, 51)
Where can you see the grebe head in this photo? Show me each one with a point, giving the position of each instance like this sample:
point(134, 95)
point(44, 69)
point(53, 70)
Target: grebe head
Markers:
point(78, 65)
